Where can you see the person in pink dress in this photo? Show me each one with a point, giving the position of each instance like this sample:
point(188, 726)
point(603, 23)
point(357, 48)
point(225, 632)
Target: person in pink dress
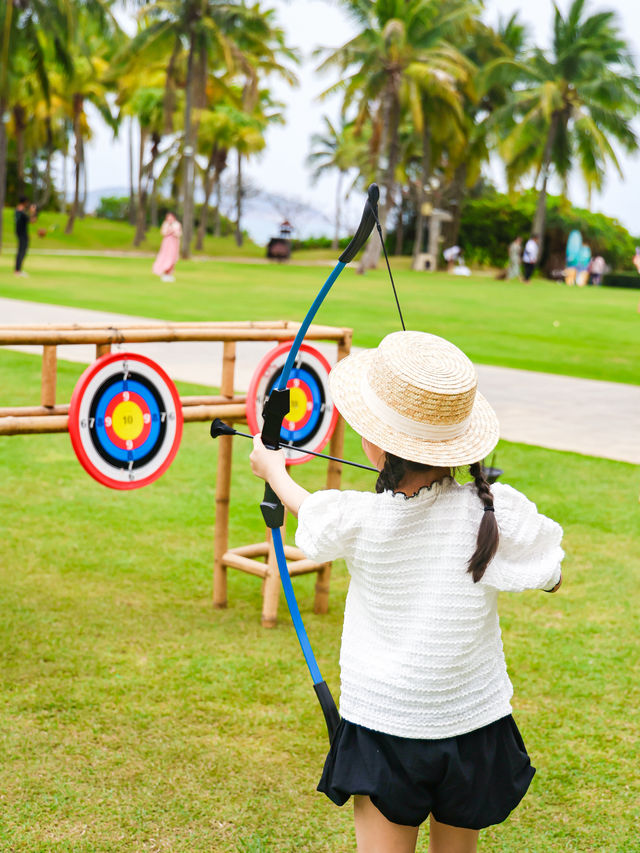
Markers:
point(167, 257)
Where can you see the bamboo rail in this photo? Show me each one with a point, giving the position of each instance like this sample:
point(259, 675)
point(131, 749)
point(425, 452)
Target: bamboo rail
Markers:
point(256, 559)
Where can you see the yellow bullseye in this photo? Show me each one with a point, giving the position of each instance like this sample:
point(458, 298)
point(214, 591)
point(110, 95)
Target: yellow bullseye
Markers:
point(128, 421)
point(298, 402)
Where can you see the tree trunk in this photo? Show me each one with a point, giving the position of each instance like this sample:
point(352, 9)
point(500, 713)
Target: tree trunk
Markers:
point(77, 155)
point(425, 174)
point(451, 230)
point(4, 101)
point(217, 223)
point(65, 183)
point(204, 212)
point(540, 217)
point(188, 155)
point(336, 237)
point(153, 203)
point(20, 125)
point(83, 172)
point(151, 183)
point(239, 237)
point(400, 226)
point(132, 200)
point(3, 162)
point(141, 213)
point(47, 191)
point(373, 250)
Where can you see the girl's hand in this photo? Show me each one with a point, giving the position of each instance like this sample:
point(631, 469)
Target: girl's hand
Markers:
point(270, 466)
point(266, 464)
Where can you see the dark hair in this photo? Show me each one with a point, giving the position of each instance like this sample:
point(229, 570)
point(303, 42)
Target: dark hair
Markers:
point(488, 536)
point(23, 199)
point(392, 474)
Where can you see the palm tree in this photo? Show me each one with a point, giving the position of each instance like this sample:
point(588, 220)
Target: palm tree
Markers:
point(94, 42)
point(249, 139)
point(395, 35)
point(483, 46)
point(336, 148)
point(210, 34)
point(29, 29)
point(573, 100)
point(218, 130)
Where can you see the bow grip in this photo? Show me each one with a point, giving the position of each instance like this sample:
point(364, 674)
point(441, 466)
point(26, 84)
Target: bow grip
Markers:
point(272, 508)
point(273, 413)
point(369, 218)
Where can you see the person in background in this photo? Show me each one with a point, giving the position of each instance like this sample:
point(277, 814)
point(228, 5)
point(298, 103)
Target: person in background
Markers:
point(530, 256)
point(452, 255)
point(636, 259)
point(515, 249)
point(597, 268)
point(167, 257)
point(23, 217)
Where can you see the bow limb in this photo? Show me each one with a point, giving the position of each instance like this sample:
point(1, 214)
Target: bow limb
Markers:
point(273, 414)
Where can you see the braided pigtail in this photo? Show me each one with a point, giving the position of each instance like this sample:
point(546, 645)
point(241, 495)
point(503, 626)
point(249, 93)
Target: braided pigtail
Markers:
point(487, 542)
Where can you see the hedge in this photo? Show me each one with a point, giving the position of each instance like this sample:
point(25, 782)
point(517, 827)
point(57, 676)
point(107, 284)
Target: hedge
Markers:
point(620, 279)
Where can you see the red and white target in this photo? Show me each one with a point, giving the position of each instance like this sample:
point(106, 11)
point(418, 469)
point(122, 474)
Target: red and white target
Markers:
point(312, 418)
point(125, 420)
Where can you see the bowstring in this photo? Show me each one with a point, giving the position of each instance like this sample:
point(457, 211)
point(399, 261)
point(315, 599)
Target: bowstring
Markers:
point(393, 285)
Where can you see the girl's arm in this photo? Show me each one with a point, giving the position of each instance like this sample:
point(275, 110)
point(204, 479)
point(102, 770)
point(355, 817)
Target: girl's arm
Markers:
point(269, 465)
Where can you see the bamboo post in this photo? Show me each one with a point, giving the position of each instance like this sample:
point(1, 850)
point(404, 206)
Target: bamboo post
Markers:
point(223, 485)
point(336, 446)
point(271, 584)
point(102, 349)
point(49, 376)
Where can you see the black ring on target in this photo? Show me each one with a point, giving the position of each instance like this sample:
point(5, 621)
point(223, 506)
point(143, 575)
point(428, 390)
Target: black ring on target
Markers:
point(125, 420)
point(312, 418)
point(98, 433)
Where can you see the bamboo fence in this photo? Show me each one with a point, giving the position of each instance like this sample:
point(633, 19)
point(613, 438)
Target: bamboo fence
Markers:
point(49, 416)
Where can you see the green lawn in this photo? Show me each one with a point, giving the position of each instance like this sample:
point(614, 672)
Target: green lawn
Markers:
point(134, 717)
point(588, 332)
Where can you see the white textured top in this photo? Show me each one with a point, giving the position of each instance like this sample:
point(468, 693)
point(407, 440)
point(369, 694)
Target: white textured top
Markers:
point(530, 254)
point(421, 652)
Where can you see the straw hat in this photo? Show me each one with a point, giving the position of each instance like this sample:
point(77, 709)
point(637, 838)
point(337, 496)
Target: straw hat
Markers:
point(415, 396)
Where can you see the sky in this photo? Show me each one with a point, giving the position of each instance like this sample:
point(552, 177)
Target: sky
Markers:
point(281, 167)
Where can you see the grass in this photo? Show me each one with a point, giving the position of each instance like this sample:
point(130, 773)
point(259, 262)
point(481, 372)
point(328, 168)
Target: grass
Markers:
point(99, 235)
point(586, 332)
point(134, 717)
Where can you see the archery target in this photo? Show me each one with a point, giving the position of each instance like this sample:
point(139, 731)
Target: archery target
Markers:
point(125, 420)
point(312, 418)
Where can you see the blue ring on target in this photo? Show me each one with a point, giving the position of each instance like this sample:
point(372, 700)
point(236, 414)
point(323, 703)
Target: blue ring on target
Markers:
point(316, 400)
point(101, 432)
point(310, 429)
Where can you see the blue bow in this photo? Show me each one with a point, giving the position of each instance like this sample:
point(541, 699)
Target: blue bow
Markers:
point(273, 414)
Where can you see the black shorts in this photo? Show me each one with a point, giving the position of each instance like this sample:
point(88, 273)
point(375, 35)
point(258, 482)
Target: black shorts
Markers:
point(472, 780)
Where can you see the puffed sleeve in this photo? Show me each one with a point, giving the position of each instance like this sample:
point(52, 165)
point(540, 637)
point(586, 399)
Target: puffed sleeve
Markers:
point(327, 524)
point(529, 553)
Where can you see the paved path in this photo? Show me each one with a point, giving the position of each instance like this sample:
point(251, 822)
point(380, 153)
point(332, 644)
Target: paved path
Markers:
point(560, 412)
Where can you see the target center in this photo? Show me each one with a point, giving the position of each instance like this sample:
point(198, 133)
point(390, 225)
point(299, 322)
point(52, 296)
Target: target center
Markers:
point(298, 402)
point(128, 420)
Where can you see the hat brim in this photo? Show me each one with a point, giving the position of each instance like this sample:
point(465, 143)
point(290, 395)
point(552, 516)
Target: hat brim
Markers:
point(478, 439)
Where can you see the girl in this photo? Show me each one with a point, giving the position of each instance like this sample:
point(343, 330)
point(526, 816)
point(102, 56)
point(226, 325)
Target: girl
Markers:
point(426, 725)
point(167, 256)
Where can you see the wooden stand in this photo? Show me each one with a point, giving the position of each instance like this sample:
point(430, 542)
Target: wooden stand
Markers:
point(247, 558)
point(259, 559)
